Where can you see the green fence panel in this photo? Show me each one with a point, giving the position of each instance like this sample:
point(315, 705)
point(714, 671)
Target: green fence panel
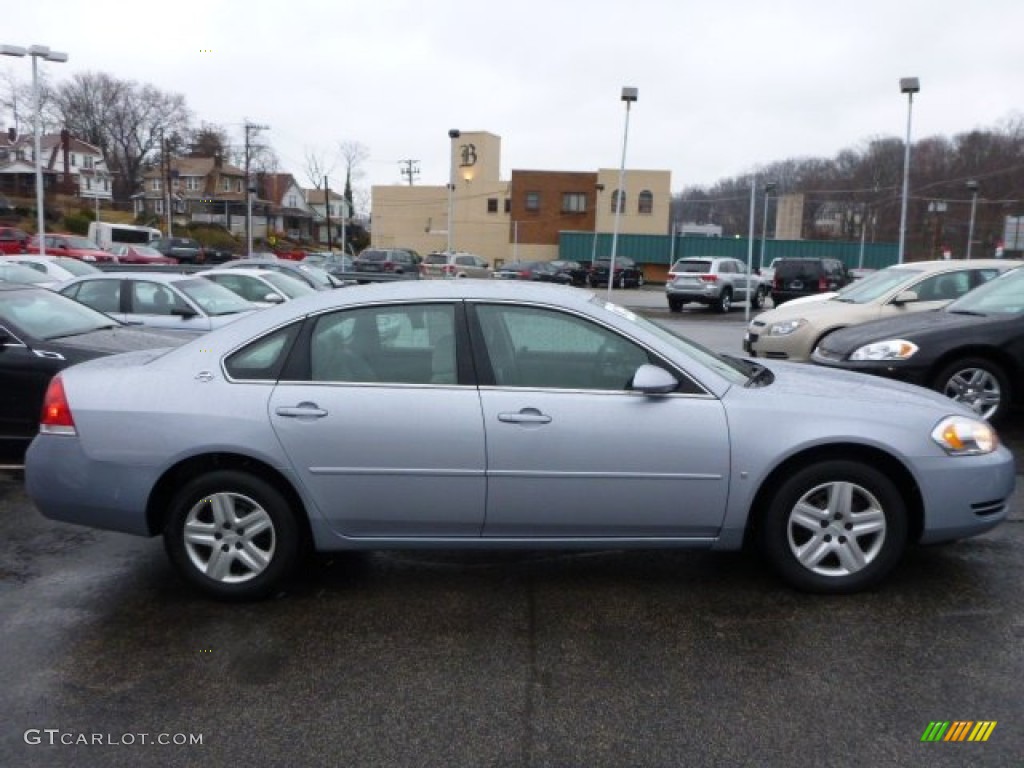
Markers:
point(660, 250)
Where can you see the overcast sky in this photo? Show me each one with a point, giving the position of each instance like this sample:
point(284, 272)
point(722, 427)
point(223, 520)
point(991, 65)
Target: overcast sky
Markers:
point(724, 86)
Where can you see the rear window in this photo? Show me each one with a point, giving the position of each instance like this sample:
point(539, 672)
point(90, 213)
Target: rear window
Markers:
point(435, 258)
point(692, 266)
point(373, 256)
point(798, 270)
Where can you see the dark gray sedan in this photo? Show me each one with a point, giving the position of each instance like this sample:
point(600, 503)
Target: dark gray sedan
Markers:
point(494, 414)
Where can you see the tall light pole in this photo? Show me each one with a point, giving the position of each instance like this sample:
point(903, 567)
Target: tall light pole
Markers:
point(453, 134)
point(769, 187)
point(629, 95)
point(972, 186)
point(909, 86)
point(37, 52)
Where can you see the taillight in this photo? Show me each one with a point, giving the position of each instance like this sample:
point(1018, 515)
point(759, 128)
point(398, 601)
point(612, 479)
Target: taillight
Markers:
point(525, 274)
point(708, 278)
point(389, 266)
point(56, 418)
point(449, 269)
point(822, 284)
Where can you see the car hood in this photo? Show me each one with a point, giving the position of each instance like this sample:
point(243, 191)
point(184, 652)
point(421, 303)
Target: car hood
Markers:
point(798, 381)
point(813, 310)
point(123, 339)
point(910, 326)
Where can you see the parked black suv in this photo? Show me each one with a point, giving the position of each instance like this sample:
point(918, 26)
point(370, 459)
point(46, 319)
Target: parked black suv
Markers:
point(803, 277)
point(627, 273)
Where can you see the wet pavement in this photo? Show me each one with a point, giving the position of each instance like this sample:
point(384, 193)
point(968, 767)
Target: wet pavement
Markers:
point(609, 658)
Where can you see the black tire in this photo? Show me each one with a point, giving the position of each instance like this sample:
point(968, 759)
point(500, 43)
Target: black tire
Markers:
point(724, 302)
point(242, 497)
point(824, 552)
point(978, 383)
point(675, 305)
point(758, 301)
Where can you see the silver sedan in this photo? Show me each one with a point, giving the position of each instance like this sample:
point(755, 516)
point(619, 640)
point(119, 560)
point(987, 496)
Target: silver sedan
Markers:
point(475, 414)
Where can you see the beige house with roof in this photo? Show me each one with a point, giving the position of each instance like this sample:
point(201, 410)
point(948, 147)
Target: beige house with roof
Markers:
point(519, 218)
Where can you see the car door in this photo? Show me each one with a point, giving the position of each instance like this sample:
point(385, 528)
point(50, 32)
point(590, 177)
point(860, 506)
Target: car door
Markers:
point(24, 376)
point(933, 292)
point(383, 430)
point(572, 453)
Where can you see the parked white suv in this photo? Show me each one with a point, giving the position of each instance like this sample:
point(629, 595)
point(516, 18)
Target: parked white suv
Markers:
point(713, 281)
point(454, 265)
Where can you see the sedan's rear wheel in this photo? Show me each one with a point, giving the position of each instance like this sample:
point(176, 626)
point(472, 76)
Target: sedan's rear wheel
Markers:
point(979, 384)
point(232, 535)
point(835, 527)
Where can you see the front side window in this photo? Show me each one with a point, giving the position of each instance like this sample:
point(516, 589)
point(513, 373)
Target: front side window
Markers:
point(155, 299)
point(541, 348)
point(406, 344)
point(101, 295)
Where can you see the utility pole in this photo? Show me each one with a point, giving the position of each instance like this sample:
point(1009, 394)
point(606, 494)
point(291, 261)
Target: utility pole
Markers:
point(411, 170)
point(327, 213)
point(250, 128)
point(166, 163)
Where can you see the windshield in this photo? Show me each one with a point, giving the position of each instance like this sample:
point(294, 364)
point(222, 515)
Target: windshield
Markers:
point(47, 315)
point(876, 285)
point(317, 275)
point(19, 273)
point(76, 267)
point(212, 298)
point(78, 242)
point(145, 250)
point(289, 286)
point(1002, 296)
point(732, 369)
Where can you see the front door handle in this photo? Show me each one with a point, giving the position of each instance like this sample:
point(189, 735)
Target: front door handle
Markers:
point(301, 411)
point(525, 416)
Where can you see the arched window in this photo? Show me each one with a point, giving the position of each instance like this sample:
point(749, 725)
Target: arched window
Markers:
point(645, 202)
point(618, 201)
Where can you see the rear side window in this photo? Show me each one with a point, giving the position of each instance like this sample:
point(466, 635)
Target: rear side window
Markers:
point(263, 359)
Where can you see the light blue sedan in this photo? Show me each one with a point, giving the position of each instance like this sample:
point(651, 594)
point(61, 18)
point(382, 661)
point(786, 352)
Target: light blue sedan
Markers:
point(175, 302)
point(478, 414)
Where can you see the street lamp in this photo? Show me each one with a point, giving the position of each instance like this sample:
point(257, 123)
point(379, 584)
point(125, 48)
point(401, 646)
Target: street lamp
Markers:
point(909, 86)
point(769, 187)
point(36, 52)
point(629, 95)
point(453, 134)
point(972, 186)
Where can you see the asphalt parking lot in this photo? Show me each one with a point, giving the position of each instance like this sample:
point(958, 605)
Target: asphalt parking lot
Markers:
point(608, 658)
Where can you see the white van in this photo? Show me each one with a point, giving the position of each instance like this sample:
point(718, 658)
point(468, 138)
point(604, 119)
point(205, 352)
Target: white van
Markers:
point(107, 235)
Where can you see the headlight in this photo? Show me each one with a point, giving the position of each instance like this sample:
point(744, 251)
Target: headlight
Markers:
point(890, 349)
point(785, 328)
point(964, 436)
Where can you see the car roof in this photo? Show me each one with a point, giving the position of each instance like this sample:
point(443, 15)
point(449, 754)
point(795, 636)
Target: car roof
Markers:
point(251, 271)
point(156, 277)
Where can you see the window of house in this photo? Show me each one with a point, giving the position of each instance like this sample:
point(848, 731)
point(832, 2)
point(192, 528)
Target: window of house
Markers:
point(60, 178)
point(492, 205)
point(87, 161)
point(574, 202)
point(225, 184)
point(155, 185)
point(192, 183)
point(238, 185)
point(74, 159)
point(508, 205)
point(88, 183)
point(618, 201)
point(158, 206)
point(533, 201)
point(106, 185)
point(645, 202)
point(293, 201)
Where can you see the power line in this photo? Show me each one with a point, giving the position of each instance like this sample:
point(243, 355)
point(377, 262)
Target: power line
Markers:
point(410, 170)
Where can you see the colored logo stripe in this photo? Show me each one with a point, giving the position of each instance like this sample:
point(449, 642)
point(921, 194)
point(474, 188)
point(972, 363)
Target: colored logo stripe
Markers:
point(958, 730)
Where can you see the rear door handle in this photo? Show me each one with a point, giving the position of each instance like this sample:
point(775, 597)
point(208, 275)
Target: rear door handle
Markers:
point(301, 411)
point(525, 416)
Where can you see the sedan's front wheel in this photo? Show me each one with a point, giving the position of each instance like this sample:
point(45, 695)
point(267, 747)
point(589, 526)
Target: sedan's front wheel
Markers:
point(979, 384)
point(232, 535)
point(835, 527)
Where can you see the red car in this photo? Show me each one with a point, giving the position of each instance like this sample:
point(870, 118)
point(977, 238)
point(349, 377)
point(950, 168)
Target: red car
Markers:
point(128, 253)
point(13, 240)
point(75, 246)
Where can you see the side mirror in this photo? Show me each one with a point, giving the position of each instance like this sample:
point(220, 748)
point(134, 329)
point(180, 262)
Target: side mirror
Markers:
point(185, 312)
point(652, 380)
point(274, 298)
point(904, 297)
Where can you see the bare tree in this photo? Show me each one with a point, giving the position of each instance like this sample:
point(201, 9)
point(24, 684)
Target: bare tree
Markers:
point(354, 154)
point(125, 119)
point(317, 166)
